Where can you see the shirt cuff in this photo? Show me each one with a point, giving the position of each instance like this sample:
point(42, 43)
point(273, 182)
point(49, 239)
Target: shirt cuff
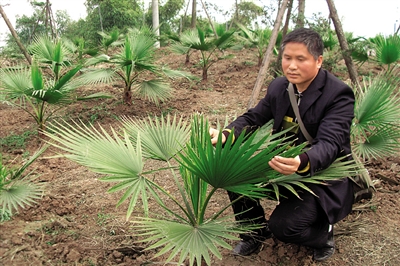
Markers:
point(226, 132)
point(304, 164)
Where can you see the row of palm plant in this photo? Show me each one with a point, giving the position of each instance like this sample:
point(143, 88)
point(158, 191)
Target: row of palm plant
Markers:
point(49, 84)
point(199, 170)
point(59, 69)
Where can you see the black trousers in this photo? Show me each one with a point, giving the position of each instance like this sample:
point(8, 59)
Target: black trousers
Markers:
point(301, 221)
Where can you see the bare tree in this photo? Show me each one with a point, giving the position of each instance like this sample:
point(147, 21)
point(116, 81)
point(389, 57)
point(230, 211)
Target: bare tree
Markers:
point(194, 14)
point(209, 18)
point(48, 20)
point(15, 35)
point(301, 12)
point(267, 58)
point(343, 43)
point(285, 28)
point(156, 23)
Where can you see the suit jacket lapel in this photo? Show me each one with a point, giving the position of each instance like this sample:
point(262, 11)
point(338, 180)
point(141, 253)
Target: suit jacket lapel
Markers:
point(312, 93)
point(283, 104)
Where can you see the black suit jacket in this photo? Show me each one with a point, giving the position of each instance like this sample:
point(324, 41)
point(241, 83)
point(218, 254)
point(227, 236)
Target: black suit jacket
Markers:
point(327, 110)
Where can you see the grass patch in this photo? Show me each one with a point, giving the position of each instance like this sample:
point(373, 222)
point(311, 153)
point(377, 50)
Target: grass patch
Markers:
point(14, 142)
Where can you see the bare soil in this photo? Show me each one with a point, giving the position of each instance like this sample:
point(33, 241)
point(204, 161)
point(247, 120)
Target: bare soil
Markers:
point(76, 222)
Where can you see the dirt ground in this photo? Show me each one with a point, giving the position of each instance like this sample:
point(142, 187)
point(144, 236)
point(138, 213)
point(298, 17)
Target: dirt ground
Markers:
point(76, 221)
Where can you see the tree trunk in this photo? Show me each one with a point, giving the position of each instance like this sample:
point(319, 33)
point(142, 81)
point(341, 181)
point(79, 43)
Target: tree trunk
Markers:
point(343, 43)
point(267, 58)
point(15, 35)
point(300, 17)
point(156, 23)
point(205, 74)
point(194, 16)
point(127, 97)
point(209, 19)
point(278, 67)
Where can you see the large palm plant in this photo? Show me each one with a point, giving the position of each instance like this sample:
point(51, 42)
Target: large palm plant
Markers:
point(17, 188)
point(41, 93)
point(188, 231)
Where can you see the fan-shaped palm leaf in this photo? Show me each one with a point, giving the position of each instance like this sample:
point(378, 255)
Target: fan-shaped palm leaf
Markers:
point(106, 154)
point(387, 49)
point(187, 241)
point(16, 189)
point(155, 90)
point(375, 128)
point(238, 167)
point(162, 138)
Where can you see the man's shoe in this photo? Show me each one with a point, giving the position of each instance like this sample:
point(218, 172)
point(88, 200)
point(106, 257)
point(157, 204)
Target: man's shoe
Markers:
point(246, 247)
point(250, 244)
point(327, 251)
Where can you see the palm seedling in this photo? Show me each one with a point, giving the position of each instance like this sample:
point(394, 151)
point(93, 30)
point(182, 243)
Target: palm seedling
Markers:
point(186, 229)
point(387, 50)
point(41, 93)
point(17, 188)
point(258, 38)
point(208, 46)
point(375, 132)
point(132, 62)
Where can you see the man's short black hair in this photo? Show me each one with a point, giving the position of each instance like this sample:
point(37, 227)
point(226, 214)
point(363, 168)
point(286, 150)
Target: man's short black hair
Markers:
point(310, 38)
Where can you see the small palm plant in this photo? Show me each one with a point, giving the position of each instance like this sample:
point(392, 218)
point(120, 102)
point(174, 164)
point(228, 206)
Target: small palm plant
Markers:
point(375, 132)
point(259, 38)
point(42, 93)
point(208, 46)
point(199, 170)
point(18, 189)
point(387, 50)
point(133, 61)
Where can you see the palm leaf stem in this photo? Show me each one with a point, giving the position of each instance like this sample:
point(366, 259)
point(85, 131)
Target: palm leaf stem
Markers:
point(205, 205)
point(189, 210)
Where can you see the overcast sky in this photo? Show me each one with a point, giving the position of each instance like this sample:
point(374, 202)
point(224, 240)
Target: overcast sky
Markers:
point(365, 18)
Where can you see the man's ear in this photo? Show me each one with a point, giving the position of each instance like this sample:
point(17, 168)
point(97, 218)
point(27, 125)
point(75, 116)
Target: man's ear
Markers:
point(319, 61)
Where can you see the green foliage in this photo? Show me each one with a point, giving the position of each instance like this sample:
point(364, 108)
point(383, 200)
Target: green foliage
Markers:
point(133, 60)
point(108, 15)
point(387, 50)
point(185, 230)
point(258, 38)
point(376, 130)
point(29, 89)
point(17, 188)
point(208, 46)
point(13, 141)
point(247, 12)
point(5, 215)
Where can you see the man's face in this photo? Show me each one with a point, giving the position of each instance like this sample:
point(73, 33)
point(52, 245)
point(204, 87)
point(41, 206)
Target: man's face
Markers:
point(299, 66)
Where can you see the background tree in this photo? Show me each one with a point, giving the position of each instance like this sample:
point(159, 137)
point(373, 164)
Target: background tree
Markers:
point(301, 11)
point(343, 43)
point(15, 35)
point(194, 14)
point(265, 64)
point(120, 14)
point(247, 12)
point(156, 24)
point(169, 15)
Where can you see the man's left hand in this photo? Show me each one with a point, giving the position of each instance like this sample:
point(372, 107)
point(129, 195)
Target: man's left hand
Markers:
point(286, 166)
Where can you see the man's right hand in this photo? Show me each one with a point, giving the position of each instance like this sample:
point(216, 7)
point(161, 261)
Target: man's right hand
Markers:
point(214, 136)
